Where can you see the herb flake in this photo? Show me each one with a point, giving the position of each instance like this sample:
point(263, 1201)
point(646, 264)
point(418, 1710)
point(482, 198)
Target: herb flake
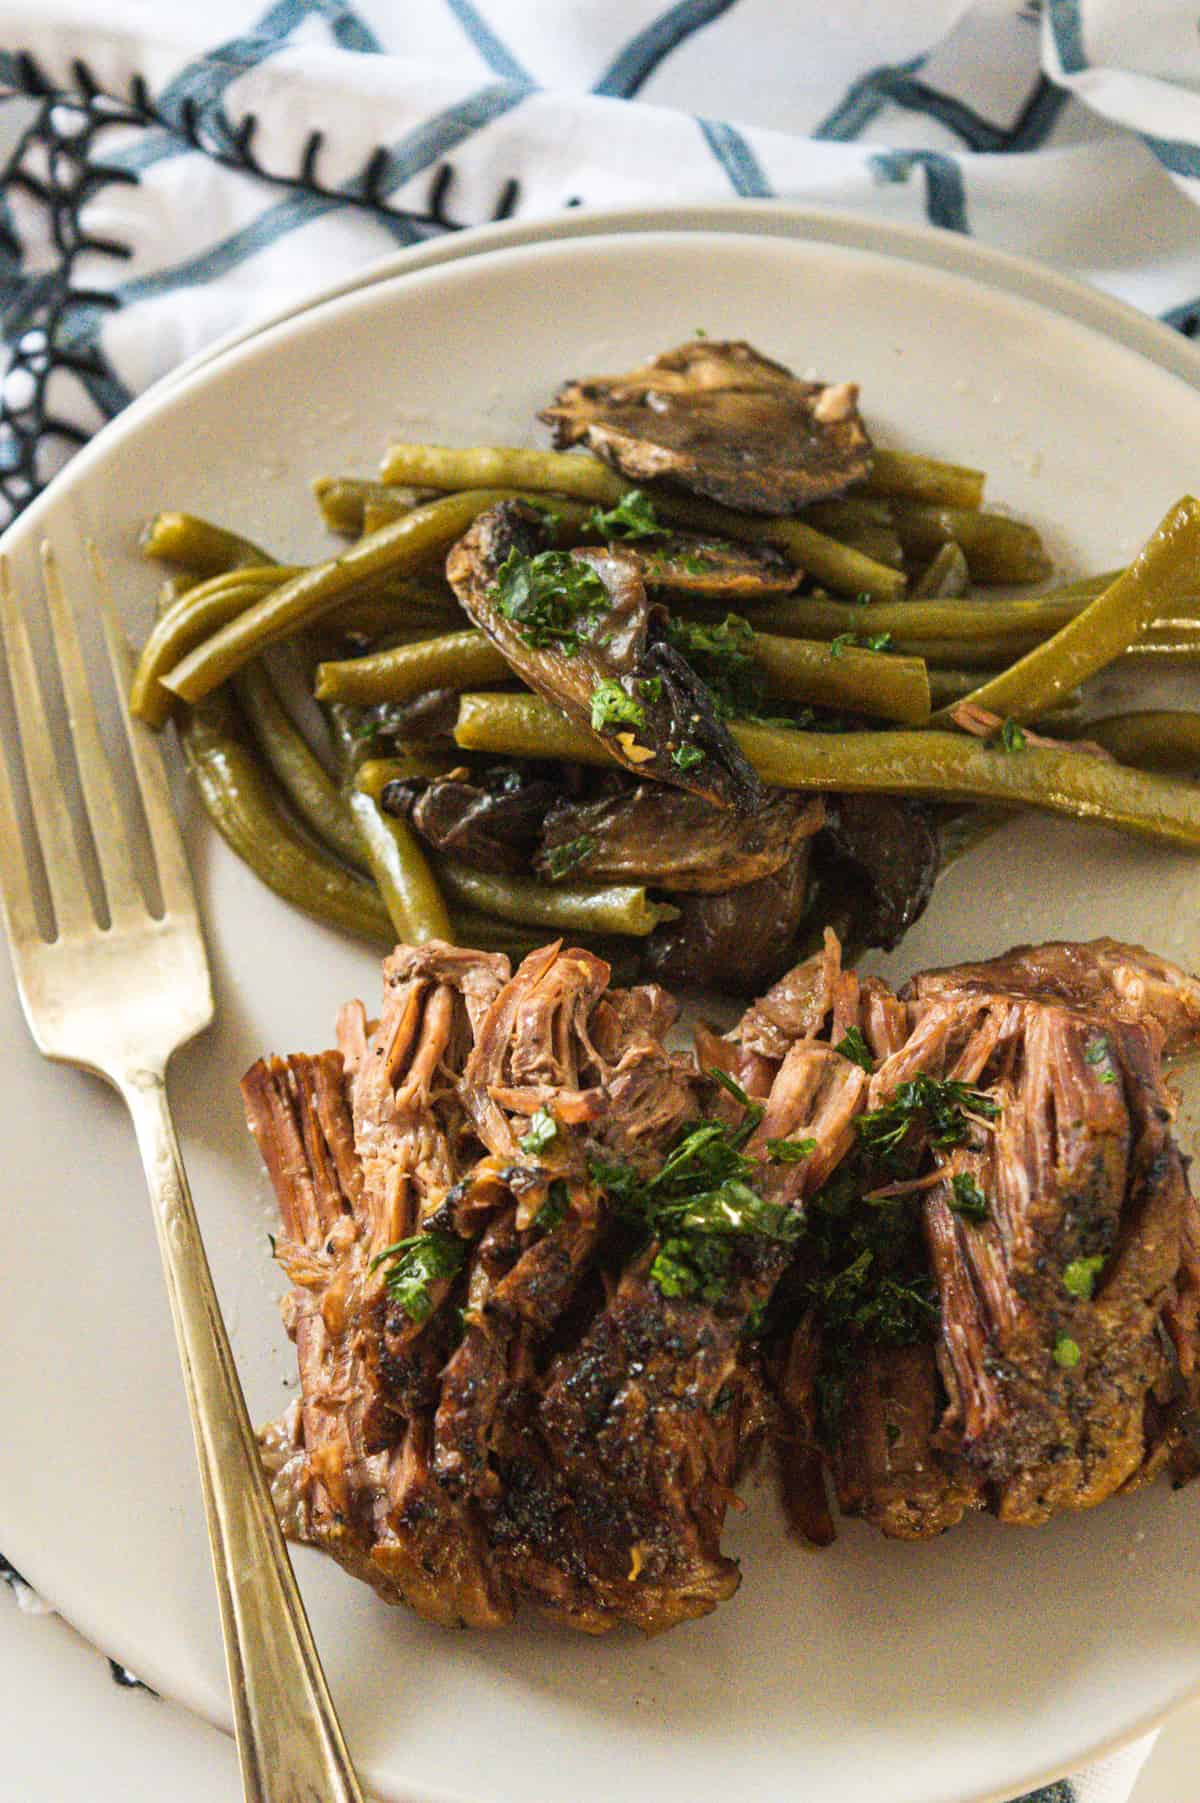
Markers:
point(854, 1047)
point(611, 707)
point(415, 1265)
point(966, 1197)
point(633, 517)
point(1079, 1277)
point(543, 1131)
point(549, 598)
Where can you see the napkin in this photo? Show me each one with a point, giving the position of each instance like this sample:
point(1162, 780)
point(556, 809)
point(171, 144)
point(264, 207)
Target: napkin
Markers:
point(173, 172)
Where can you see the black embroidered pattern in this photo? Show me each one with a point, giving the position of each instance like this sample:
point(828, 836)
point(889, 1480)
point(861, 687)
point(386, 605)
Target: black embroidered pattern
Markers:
point(50, 324)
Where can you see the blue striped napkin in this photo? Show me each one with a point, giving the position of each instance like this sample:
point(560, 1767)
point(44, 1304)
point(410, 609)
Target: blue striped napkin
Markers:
point(173, 171)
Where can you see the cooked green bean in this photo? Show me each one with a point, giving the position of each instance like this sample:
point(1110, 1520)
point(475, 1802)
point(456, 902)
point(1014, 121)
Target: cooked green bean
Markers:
point(317, 591)
point(618, 908)
point(1166, 567)
point(842, 676)
point(241, 803)
point(1151, 738)
point(945, 576)
point(343, 501)
point(459, 660)
point(202, 610)
point(198, 545)
point(880, 543)
point(894, 688)
point(817, 617)
point(401, 870)
point(905, 473)
point(586, 478)
point(948, 686)
point(996, 548)
point(299, 772)
point(947, 764)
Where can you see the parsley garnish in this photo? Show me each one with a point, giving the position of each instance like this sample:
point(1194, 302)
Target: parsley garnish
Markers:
point(650, 687)
point(722, 655)
point(415, 1265)
point(1098, 1051)
point(838, 643)
point(876, 641)
point(686, 757)
point(967, 1199)
point(551, 1213)
point(871, 641)
point(855, 1048)
point(543, 1130)
point(611, 706)
point(562, 858)
point(633, 517)
point(699, 1202)
point(1012, 736)
point(549, 597)
point(1079, 1277)
point(1066, 1352)
point(927, 1106)
point(790, 1151)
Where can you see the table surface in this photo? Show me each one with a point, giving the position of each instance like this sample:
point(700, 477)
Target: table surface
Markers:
point(71, 1735)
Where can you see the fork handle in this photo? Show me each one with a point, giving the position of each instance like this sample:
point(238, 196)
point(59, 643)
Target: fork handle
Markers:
point(289, 1741)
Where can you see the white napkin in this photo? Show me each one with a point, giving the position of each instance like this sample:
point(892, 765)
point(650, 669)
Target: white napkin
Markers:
point(200, 165)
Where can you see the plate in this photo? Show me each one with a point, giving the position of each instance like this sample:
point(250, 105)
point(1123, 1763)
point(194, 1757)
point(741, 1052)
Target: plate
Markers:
point(875, 1672)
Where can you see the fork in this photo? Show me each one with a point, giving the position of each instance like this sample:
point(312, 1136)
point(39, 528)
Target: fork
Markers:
point(118, 999)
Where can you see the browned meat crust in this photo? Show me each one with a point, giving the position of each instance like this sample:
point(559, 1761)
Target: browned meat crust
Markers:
point(551, 1426)
point(723, 421)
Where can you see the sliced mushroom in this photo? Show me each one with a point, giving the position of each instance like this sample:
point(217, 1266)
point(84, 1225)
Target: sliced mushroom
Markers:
point(722, 421)
point(492, 823)
point(579, 628)
point(879, 855)
point(676, 841)
point(687, 563)
point(739, 941)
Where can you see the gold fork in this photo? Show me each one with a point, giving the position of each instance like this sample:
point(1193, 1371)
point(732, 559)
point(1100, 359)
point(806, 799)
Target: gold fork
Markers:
point(118, 1000)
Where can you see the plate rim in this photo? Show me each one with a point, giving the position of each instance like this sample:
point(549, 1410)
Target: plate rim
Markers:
point(208, 366)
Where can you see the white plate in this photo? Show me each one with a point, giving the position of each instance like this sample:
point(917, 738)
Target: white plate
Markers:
point(875, 1673)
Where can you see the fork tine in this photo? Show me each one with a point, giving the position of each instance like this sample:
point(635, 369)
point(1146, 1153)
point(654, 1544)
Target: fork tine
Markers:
point(105, 818)
point(15, 893)
point(174, 877)
point(60, 855)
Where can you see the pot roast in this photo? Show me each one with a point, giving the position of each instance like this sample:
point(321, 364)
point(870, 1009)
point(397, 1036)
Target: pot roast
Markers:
point(554, 1283)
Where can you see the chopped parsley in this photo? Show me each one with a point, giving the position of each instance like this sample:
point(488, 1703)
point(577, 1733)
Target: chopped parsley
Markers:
point(549, 598)
point(876, 641)
point(871, 641)
point(554, 1208)
point(699, 1203)
point(1066, 1352)
point(633, 517)
point(790, 1151)
point(722, 655)
point(855, 1048)
point(1012, 736)
point(543, 1131)
point(686, 757)
point(839, 641)
point(1098, 1051)
point(967, 1199)
point(1079, 1277)
point(650, 688)
point(611, 706)
point(928, 1108)
point(562, 858)
point(416, 1264)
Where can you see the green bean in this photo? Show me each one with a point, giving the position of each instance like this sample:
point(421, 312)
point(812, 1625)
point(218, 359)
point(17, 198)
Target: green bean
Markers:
point(409, 889)
point(343, 501)
point(945, 576)
point(996, 548)
point(880, 543)
point(459, 660)
point(1109, 625)
point(1152, 738)
point(241, 803)
point(867, 682)
point(817, 617)
point(619, 908)
point(198, 545)
point(587, 479)
point(948, 686)
point(300, 774)
point(905, 473)
point(317, 591)
point(1058, 779)
point(202, 610)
